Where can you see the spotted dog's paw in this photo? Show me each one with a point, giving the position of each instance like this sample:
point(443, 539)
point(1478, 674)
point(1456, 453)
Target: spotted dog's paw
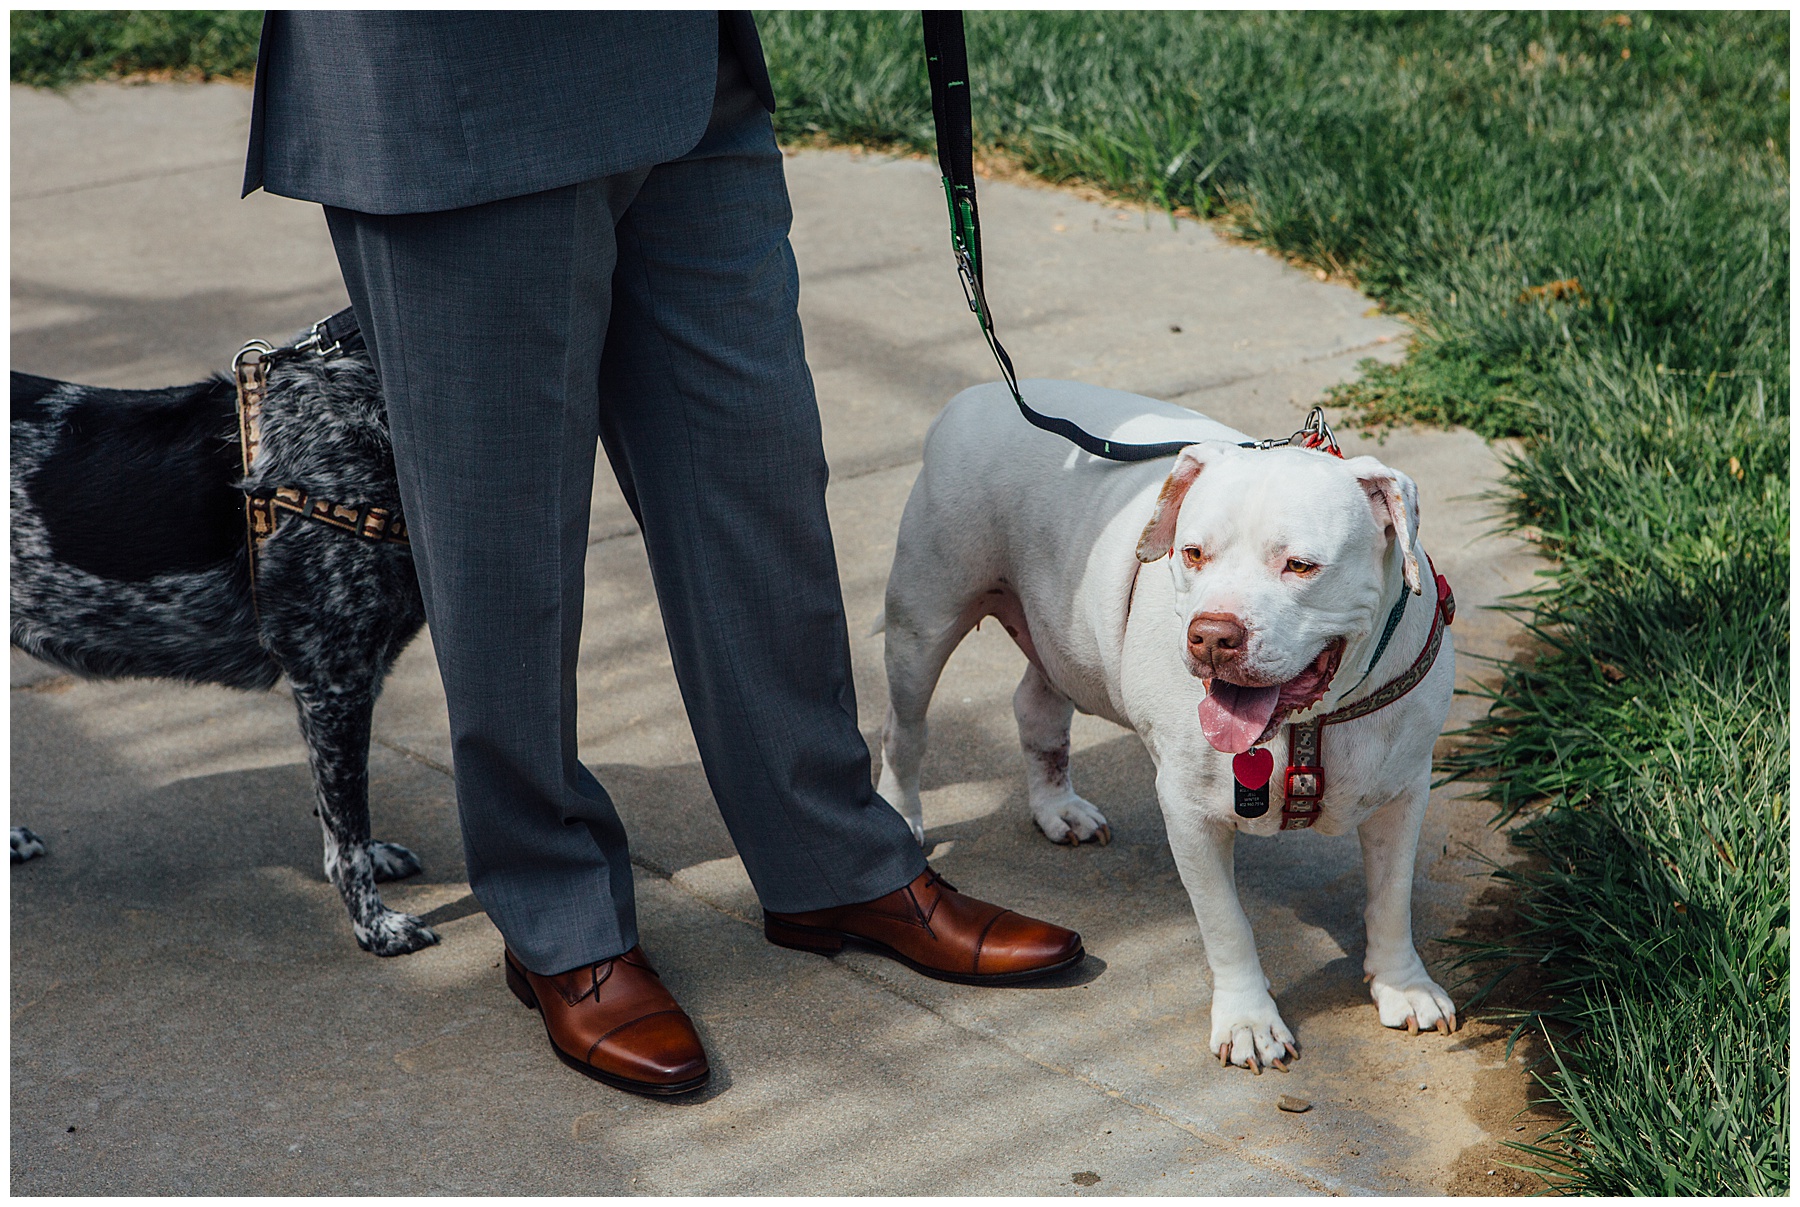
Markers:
point(391, 861)
point(392, 933)
point(25, 845)
point(1412, 1000)
point(1247, 1031)
point(1070, 820)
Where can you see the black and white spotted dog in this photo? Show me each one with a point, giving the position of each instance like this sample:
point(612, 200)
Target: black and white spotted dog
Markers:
point(129, 559)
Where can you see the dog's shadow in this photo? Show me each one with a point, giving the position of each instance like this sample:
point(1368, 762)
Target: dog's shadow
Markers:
point(183, 849)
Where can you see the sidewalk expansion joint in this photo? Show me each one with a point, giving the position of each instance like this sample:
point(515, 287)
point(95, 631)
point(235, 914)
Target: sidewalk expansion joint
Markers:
point(136, 178)
point(838, 478)
point(1275, 370)
point(411, 755)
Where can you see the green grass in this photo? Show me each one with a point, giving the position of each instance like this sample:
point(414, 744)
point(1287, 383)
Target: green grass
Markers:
point(1457, 166)
point(52, 48)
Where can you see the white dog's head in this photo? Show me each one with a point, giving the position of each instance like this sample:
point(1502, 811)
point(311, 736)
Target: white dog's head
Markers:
point(1281, 558)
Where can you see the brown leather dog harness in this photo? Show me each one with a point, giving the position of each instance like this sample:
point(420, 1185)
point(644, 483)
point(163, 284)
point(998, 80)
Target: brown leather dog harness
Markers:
point(1305, 783)
point(250, 368)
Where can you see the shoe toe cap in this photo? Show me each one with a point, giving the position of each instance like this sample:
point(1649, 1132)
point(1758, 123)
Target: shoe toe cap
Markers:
point(1016, 943)
point(658, 1049)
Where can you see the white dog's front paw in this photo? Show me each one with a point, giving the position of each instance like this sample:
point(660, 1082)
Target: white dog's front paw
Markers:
point(1247, 1031)
point(1071, 820)
point(1412, 1000)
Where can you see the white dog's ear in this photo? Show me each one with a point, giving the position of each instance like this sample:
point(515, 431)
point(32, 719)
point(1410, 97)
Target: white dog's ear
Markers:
point(1394, 505)
point(1158, 539)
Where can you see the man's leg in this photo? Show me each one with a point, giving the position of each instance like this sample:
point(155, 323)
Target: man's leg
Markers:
point(486, 325)
point(708, 415)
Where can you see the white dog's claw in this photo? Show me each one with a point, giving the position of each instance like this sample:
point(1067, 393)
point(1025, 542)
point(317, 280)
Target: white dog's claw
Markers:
point(1071, 821)
point(1414, 1002)
point(1248, 1031)
point(1293, 1051)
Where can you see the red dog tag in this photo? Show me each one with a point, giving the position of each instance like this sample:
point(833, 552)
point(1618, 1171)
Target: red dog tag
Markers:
point(1252, 770)
point(1253, 767)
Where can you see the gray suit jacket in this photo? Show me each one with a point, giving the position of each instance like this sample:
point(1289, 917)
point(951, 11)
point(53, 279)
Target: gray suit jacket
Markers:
point(410, 112)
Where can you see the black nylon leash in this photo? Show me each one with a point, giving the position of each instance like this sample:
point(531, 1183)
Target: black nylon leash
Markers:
point(947, 60)
point(952, 114)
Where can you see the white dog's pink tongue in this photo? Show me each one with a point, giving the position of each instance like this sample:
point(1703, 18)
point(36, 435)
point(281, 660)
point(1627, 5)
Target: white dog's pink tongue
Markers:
point(1233, 717)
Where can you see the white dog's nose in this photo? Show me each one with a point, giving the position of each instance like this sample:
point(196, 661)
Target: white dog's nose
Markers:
point(1216, 639)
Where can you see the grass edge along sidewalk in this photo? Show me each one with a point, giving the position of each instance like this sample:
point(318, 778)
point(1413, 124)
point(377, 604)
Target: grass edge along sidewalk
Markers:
point(1585, 217)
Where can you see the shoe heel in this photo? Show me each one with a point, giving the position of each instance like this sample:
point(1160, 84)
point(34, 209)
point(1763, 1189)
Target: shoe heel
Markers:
point(520, 987)
point(801, 938)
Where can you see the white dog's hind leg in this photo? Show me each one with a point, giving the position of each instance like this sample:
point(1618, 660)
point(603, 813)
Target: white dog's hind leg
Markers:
point(1043, 714)
point(1404, 993)
point(915, 655)
point(1246, 1026)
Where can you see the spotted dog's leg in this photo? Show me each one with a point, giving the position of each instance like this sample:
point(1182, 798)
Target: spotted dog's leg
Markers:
point(1404, 993)
point(1043, 714)
point(25, 845)
point(335, 722)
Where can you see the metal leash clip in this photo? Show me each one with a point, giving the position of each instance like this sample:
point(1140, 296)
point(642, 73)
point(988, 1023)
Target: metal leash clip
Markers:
point(965, 268)
point(314, 340)
point(1315, 433)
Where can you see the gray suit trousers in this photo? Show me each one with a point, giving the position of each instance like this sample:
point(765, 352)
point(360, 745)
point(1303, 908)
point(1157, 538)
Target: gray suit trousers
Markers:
point(654, 311)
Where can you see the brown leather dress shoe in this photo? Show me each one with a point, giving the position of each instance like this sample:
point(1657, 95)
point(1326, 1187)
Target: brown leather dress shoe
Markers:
point(615, 1022)
point(935, 930)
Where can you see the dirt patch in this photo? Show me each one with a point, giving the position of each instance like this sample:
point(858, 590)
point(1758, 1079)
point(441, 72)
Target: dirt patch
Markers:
point(1502, 1105)
point(1507, 1101)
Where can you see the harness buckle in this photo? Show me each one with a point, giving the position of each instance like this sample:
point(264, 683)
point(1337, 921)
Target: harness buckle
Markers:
point(1305, 784)
point(242, 361)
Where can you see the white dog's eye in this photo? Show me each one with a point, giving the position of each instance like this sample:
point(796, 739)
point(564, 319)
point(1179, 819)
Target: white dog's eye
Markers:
point(1193, 557)
point(1303, 569)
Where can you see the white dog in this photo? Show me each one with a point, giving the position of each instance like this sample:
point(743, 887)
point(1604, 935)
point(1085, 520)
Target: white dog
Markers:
point(1280, 571)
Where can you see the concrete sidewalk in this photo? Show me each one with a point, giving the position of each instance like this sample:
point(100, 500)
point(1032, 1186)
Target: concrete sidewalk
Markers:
point(191, 1015)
